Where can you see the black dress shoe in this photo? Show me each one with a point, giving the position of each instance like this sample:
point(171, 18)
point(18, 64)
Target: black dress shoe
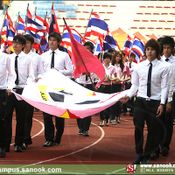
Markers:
point(24, 146)
point(138, 159)
point(164, 151)
point(154, 155)
point(2, 152)
point(18, 148)
point(49, 143)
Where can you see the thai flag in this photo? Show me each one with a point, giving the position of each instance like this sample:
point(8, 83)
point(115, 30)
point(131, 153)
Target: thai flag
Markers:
point(98, 47)
point(127, 45)
point(20, 26)
point(53, 22)
point(34, 27)
point(110, 42)
point(10, 30)
point(66, 42)
point(138, 48)
point(96, 26)
point(4, 32)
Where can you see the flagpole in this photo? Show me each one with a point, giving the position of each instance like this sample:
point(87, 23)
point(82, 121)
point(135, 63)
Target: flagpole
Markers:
point(88, 23)
point(87, 72)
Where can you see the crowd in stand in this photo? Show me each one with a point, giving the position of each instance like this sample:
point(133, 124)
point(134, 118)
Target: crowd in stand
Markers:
point(150, 95)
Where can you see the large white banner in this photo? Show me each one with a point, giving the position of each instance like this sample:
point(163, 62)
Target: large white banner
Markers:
point(57, 95)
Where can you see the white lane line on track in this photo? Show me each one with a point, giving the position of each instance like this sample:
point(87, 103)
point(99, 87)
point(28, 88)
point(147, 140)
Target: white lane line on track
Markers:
point(74, 152)
point(38, 133)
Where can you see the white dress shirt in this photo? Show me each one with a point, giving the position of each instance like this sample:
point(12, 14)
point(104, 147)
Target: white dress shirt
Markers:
point(171, 60)
point(159, 80)
point(35, 58)
point(25, 69)
point(62, 62)
point(6, 72)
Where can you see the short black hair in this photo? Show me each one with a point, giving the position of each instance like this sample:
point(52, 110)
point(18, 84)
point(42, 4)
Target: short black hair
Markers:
point(90, 44)
point(168, 40)
point(155, 45)
point(132, 55)
point(19, 39)
point(29, 38)
point(55, 35)
point(107, 55)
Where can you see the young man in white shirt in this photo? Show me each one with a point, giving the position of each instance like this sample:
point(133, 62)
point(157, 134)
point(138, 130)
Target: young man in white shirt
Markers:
point(168, 44)
point(24, 74)
point(59, 60)
point(150, 82)
point(6, 70)
point(28, 50)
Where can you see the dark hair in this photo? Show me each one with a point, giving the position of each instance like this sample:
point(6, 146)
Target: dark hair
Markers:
point(29, 38)
point(121, 60)
point(160, 41)
point(19, 39)
point(55, 35)
point(90, 44)
point(168, 41)
point(111, 50)
point(132, 55)
point(155, 45)
point(107, 55)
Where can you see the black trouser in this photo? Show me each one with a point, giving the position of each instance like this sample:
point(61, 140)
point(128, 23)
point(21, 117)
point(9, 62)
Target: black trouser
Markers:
point(19, 106)
point(173, 111)
point(167, 119)
point(104, 115)
point(3, 101)
point(50, 128)
point(145, 111)
point(28, 123)
point(84, 124)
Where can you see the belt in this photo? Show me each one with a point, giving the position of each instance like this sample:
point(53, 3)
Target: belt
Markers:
point(148, 99)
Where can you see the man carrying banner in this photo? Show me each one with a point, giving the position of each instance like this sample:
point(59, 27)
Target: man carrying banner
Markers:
point(150, 81)
point(84, 80)
point(5, 69)
point(59, 60)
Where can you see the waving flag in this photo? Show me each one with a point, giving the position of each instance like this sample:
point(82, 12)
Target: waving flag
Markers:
point(43, 34)
point(98, 47)
point(8, 31)
point(138, 48)
point(57, 95)
point(20, 25)
point(83, 60)
point(96, 26)
point(66, 42)
point(109, 43)
point(127, 45)
point(53, 22)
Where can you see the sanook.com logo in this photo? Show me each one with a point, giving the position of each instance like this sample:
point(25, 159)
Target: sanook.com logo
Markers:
point(131, 168)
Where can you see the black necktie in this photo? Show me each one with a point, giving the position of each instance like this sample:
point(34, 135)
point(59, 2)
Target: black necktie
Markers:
point(167, 59)
point(52, 61)
point(16, 70)
point(149, 81)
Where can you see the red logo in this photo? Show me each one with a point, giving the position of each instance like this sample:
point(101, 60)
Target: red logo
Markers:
point(131, 169)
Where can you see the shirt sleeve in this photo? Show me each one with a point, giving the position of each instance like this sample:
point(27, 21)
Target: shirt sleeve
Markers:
point(11, 74)
point(68, 66)
point(135, 84)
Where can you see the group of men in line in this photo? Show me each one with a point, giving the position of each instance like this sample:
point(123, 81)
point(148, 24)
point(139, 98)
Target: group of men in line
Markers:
point(152, 83)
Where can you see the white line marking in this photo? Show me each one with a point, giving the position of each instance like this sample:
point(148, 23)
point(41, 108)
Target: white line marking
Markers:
point(74, 152)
